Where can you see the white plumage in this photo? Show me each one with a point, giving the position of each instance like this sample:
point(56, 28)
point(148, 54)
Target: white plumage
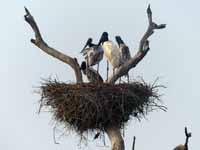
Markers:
point(116, 55)
point(93, 55)
point(112, 53)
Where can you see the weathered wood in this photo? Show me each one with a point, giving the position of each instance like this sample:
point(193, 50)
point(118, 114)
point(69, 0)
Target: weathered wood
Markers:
point(133, 146)
point(116, 139)
point(113, 133)
point(40, 43)
point(142, 51)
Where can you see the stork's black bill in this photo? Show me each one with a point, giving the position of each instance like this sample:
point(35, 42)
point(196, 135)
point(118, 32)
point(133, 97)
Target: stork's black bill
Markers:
point(88, 43)
point(119, 40)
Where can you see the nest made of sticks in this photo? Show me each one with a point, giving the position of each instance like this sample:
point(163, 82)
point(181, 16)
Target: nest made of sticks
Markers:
point(97, 106)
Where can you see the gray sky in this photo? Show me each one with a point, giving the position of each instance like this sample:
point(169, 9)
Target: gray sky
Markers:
point(66, 25)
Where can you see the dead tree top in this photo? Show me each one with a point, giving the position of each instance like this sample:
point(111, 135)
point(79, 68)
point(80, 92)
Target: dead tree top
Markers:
point(106, 106)
point(142, 50)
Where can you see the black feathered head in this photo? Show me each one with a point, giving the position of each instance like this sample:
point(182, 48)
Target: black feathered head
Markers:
point(83, 65)
point(104, 38)
point(119, 40)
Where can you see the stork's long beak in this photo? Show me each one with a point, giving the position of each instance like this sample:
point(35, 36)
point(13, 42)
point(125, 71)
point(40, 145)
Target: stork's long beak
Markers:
point(84, 47)
point(119, 40)
point(100, 41)
point(89, 41)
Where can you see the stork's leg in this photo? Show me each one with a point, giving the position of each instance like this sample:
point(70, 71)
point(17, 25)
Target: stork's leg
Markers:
point(128, 77)
point(107, 70)
point(98, 68)
point(120, 80)
point(98, 72)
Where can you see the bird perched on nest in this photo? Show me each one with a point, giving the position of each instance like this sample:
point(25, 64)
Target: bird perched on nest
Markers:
point(117, 56)
point(124, 51)
point(93, 54)
point(92, 75)
point(180, 147)
point(111, 51)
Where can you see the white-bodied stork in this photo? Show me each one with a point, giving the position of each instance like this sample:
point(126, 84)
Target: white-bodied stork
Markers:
point(111, 51)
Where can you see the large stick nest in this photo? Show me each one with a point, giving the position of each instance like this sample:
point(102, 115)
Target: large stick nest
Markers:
point(91, 106)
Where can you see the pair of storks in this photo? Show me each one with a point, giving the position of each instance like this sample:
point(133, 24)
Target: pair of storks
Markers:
point(116, 55)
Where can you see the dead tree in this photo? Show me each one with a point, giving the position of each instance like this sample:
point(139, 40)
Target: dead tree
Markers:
point(113, 132)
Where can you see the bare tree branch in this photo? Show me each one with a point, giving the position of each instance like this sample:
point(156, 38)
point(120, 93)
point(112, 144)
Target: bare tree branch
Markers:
point(188, 135)
point(133, 146)
point(39, 42)
point(143, 49)
point(185, 146)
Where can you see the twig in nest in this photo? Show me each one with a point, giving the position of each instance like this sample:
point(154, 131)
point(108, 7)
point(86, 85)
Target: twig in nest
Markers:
point(90, 107)
point(97, 135)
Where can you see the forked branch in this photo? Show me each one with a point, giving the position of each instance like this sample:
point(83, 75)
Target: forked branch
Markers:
point(39, 42)
point(187, 135)
point(142, 51)
point(185, 146)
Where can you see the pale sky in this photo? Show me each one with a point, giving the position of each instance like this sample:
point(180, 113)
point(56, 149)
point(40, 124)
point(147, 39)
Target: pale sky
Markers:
point(66, 25)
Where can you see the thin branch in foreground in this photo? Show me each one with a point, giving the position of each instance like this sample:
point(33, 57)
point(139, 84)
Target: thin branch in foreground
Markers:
point(133, 147)
point(54, 135)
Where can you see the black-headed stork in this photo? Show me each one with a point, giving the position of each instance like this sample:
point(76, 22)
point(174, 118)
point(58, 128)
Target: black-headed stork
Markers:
point(124, 52)
point(92, 75)
point(93, 54)
point(111, 51)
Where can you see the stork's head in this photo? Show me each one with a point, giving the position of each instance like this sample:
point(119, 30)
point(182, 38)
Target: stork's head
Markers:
point(119, 40)
point(105, 34)
point(83, 65)
point(104, 38)
point(88, 43)
point(89, 40)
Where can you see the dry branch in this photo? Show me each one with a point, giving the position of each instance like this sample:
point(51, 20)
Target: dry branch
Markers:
point(104, 106)
point(185, 146)
point(133, 146)
point(187, 135)
point(39, 42)
point(143, 49)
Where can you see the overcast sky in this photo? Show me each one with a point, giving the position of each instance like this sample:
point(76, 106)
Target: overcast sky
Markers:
point(65, 25)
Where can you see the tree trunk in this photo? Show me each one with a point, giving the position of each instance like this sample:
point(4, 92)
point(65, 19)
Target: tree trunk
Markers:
point(117, 142)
